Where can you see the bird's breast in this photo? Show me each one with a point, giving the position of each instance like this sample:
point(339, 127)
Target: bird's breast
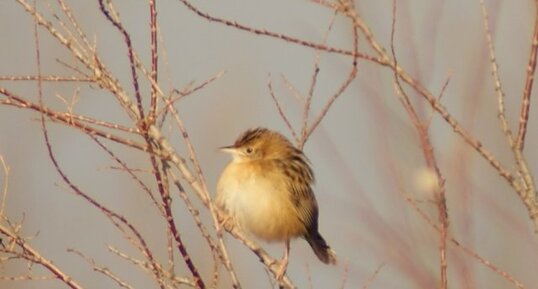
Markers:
point(259, 201)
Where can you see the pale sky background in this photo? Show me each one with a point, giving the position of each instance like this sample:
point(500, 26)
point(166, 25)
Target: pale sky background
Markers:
point(365, 141)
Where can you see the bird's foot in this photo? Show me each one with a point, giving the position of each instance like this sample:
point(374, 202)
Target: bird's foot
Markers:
point(282, 266)
point(225, 221)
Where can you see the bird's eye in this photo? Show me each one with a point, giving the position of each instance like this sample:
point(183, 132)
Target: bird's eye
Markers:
point(249, 150)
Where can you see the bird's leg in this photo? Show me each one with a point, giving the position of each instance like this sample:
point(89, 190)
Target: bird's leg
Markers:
point(284, 263)
point(226, 221)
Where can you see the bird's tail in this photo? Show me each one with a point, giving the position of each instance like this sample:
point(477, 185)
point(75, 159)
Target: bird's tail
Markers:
point(320, 247)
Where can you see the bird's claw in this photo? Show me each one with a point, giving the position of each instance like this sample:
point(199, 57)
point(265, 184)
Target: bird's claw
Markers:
point(226, 222)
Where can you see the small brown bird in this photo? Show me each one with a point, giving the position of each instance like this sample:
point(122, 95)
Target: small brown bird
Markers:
point(266, 190)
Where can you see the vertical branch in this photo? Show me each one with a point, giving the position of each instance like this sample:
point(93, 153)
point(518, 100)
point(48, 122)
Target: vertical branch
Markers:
point(36, 257)
point(351, 76)
point(66, 279)
point(472, 141)
point(429, 156)
point(531, 68)
point(167, 204)
point(527, 191)
point(127, 39)
point(470, 252)
point(5, 187)
point(164, 192)
point(67, 11)
point(221, 251)
point(215, 250)
point(280, 109)
point(154, 58)
point(130, 172)
point(495, 72)
point(308, 101)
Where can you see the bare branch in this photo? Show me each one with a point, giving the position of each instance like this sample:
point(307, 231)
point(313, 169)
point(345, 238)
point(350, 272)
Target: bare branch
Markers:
point(169, 216)
point(283, 37)
point(526, 102)
point(32, 255)
point(72, 120)
point(154, 57)
point(373, 276)
point(130, 51)
point(51, 78)
point(508, 277)
point(495, 71)
point(526, 191)
point(103, 270)
point(5, 168)
point(351, 76)
point(280, 109)
point(308, 102)
point(430, 159)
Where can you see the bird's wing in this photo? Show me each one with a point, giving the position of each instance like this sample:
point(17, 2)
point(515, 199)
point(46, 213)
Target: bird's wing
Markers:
point(298, 179)
point(305, 203)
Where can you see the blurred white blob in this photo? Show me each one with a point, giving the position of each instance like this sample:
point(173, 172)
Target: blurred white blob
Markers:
point(425, 182)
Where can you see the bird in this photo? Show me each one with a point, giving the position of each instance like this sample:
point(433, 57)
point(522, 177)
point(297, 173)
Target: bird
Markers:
point(266, 190)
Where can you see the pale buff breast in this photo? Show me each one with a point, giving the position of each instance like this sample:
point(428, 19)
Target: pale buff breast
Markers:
point(258, 205)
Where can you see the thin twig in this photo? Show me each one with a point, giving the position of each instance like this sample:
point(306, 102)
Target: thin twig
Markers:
point(270, 263)
point(314, 79)
point(131, 173)
point(130, 53)
point(169, 275)
point(51, 78)
point(5, 168)
point(527, 191)
point(284, 37)
point(497, 79)
point(508, 277)
point(345, 275)
point(429, 155)
point(103, 270)
point(527, 92)
point(21, 243)
point(32, 255)
point(525, 194)
point(27, 278)
point(373, 276)
point(280, 109)
point(184, 92)
point(222, 252)
point(67, 11)
point(110, 214)
point(351, 76)
point(71, 120)
point(154, 57)
point(169, 216)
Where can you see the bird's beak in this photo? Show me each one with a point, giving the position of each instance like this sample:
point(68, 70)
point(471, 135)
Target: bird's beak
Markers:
point(228, 149)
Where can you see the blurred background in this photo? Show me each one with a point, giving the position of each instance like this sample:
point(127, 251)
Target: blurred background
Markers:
point(365, 153)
